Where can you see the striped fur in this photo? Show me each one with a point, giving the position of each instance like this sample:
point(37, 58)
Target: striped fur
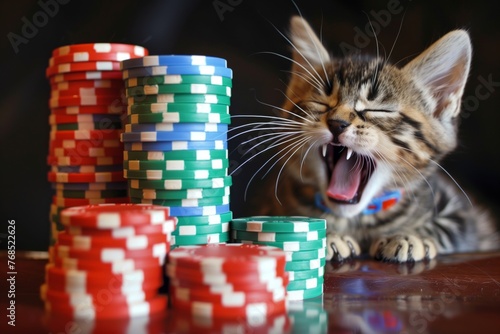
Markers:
point(399, 123)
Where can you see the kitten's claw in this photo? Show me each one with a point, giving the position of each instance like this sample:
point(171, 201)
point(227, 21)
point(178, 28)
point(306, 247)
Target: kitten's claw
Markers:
point(403, 248)
point(340, 248)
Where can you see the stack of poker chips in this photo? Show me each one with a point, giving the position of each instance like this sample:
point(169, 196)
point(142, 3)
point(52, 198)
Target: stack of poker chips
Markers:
point(108, 263)
point(236, 281)
point(175, 141)
point(86, 103)
point(304, 241)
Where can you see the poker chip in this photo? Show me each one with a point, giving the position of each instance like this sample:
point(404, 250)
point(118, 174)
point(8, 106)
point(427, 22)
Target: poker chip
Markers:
point(90, 186)
point(113, 109)
point(169, 70)
point(175, 164)
point(178, 184)
point(190, 108)
point(177, 127)
point(179, 211)
point(177, 145)
point(101, 48)
point(200, 239)
point(94, 135)
point(204, 220)
point(173, 60)
point(67, 202)
point(201, 174)
point(303, 240)
point(85, 75)
point(196, 202)
point(178, 117)
point(86, 169)
point(88, 118)
point(179, 194)
point(85, 56)
point(76, 160)
point(168, 98)
point(160, 136)
point(78, 84)
point(91, 193)
point(82, 66)
point(87, 152)
point(85, 177)
point(84, 91)
point(208, 281)
point(186, 155)
point(178, 89)
point(115, 251)
point(178, 79)
point(77, 144)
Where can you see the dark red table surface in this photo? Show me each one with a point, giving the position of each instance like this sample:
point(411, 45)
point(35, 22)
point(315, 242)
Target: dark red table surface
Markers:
point(453, 294)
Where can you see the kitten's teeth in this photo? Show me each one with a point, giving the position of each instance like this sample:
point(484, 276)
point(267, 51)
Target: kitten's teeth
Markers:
point(349, 153)
point(324, 150)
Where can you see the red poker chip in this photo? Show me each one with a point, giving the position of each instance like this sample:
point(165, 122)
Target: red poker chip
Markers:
point(77, 57)
point(166, 228)
point(76, 92)
point(101, 298)
point(117, 108)
point(91, 100)
point(109, 255)
point(77, 144)
point(87, 177)
point(85, 134)
point(100, 48)
point(67, 202)
point(228, 298)
point(113, 311)
point(115, 215)
point(120, 266)
point(215, 310)
point(64, 119)
point(227, 258)
point(87, 75)
point(88, 242)
point(86, 151)
point(104, 65)
point(68, 85)
point(79, 161)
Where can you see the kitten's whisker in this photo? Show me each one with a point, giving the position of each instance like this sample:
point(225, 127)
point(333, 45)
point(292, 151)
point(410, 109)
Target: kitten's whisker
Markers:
point(306, 79)
point(270, 117)
point(289, 148)
point(261, 125)
point(454, 181)
point(304, 158)
point(258, 129)
point(286, 111)
point(277, 138)
point(301, 109)
point(397, 36)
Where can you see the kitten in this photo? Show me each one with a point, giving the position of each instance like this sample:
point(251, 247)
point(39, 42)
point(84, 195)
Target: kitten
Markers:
point(357, 129)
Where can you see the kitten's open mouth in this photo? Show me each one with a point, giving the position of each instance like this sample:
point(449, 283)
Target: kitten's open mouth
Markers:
point(348, 173)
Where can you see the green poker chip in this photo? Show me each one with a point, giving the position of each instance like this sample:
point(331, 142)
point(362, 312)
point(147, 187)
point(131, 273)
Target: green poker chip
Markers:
point(289, 245)
point(179, 194)
point(306, 255)
point(140, 91)
point(305, 294)
point(190, 108)
point(179, 117)
point(192, 155)
point(195, 230)
point(184, 203)
point(306, 274)
point(205, 220)
point(305, 284)
point(180, 98)
point(201, 239)
point(174, 174)
point(177, 184)
point(91, 193)
point(178, 79)
point(279, 236)
point(286, 224)
point(86, 126)
point(175, 165)
point(305, 265)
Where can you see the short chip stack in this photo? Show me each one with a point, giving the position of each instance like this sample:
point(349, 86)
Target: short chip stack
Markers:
point(303, 239)
point(108, 263)
point(176, 141)
point(246, 282)
point(87, 106)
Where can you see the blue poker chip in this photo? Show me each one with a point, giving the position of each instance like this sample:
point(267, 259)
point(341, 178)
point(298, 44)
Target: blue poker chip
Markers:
point(176, 145)
point(178, 211)
point(181, 127)
point(159, 136)
point(90, 186)
point(86, 169)
point(168, 70)
point(173, 60)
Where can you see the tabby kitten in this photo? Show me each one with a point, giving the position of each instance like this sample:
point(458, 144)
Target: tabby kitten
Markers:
point(358, 131)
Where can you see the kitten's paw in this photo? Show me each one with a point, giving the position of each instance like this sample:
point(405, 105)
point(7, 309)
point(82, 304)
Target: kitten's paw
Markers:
point(403, 248)
point(341, 247)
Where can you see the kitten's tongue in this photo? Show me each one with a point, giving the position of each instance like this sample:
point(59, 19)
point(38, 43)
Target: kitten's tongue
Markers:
point(345, 179)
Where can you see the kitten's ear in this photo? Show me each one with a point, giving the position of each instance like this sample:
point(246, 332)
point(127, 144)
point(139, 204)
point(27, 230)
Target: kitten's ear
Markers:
point(307, 48)
point(442, 70)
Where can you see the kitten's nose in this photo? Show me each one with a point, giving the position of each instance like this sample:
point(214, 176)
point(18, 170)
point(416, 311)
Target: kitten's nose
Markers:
point(337, 126)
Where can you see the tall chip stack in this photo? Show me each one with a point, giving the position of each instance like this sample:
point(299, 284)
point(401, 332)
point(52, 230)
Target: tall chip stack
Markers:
point(302, 238)
point(175, 141)
point(108, 263)
point(87, 106)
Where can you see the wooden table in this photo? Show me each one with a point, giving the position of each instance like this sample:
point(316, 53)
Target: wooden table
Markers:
point(454, 294)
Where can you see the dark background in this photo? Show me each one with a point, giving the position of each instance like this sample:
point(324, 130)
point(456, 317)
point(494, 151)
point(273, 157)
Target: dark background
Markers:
point(238, 32)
